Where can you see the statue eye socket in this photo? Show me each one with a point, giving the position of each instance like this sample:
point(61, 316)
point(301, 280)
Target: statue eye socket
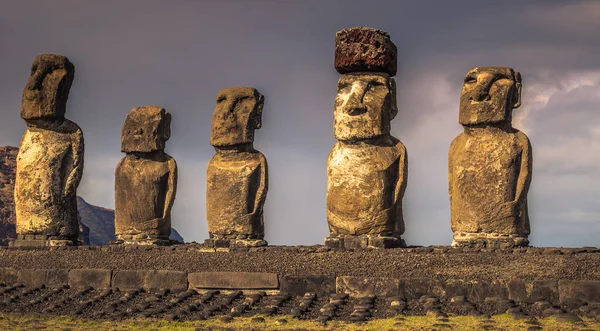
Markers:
point(343, 85)
point(470, 79)
point(221, 98)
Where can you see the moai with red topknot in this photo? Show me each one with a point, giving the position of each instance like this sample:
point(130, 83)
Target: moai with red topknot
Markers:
point(367, 167)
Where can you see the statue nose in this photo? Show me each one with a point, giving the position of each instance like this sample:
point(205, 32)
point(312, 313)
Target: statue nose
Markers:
point(356, 109)
point(480, 95)
point(355, 105)
point(35, 82)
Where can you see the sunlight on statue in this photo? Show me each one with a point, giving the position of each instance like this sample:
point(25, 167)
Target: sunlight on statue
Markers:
point(50, 159)
point(490, 163)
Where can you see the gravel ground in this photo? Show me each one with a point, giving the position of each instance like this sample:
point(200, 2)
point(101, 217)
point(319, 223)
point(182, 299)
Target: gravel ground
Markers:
point(423, 262)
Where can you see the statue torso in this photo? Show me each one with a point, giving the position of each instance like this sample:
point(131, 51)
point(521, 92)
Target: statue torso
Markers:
point(361, 181)
point(233, 181)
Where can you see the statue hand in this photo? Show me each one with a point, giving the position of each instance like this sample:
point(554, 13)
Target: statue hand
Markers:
point(507, 210)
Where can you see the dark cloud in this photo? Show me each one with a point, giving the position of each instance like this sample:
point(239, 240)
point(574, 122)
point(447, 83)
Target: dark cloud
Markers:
point(179, 54)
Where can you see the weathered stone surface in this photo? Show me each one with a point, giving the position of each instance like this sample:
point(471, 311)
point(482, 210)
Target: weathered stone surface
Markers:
point(98, 279)
point(50, 159)
point(367, 167)
point(365, 49)
point(415, 288)
point(485, 289)
point(129, 280)
point(52, 278)
point(531, 291)
point(237, 180)
point(587, 291)
point(363, 286)
point(233, 280)
point(145, 179)
point(175, 281)
point(8, 276)
point(321, 285)
point(490, 163)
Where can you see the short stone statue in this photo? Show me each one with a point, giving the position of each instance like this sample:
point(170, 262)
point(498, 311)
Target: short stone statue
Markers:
point(50, 159)
point(145, 179)
point(367, 167)
point(236, 177)
point(490, 163)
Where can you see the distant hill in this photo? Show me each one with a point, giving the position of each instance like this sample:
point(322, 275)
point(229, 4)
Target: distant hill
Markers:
point(97, 223)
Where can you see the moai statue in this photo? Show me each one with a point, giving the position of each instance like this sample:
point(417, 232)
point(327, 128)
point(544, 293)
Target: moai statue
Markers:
point(490, 163)
point(50, 159)
point(237, 174)
point(367, 167)
point(145, 179)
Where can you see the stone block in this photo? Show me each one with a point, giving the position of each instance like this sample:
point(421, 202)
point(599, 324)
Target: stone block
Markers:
point(531, 291)
point(233, 280)
point(129, 280)
point(456, 287)
point(384, 242)
point(484, 289)
point(334, 242)
point(588, 291)
point(363, 286)
point(543, 290)
point(322, 285)
point(414, 288)
point(175, 281)
point(99, 279)
point(355, 242)
point(52, 278)
point(8, 276)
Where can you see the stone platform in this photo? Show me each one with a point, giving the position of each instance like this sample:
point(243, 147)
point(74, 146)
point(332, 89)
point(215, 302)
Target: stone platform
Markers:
point(414, 280)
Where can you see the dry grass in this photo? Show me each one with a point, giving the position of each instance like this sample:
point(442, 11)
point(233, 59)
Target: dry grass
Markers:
point(500, 322)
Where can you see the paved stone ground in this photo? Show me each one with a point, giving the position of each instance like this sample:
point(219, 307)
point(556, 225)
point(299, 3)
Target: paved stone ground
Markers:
point(190, 305)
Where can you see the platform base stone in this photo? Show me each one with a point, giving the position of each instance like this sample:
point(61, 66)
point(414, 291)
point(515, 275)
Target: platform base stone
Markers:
point(349, 242)
point(488, 240)
point(40, 240)
point(234, 243)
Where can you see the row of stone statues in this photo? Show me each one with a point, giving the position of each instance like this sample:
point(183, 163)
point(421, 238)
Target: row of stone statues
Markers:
point(489, 164)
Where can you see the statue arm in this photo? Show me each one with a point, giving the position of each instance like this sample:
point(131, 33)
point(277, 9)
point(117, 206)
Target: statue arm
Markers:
point(525, 169)
point(402, 173)
point(263, 186)
point(172, 187)
point(74, 177)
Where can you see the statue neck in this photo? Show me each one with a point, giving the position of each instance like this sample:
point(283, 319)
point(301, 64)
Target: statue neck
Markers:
point(45, 123)
point(158, 155)
point(504, 126)
point(238, 148)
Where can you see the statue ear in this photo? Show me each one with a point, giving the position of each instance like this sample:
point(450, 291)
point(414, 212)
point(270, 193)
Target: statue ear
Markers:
point(260, 102)
point(167, 126)
point(517, 91)
point(393, 99)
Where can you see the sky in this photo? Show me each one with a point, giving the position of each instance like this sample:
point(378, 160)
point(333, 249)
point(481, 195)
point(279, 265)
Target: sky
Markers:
point(178, 54)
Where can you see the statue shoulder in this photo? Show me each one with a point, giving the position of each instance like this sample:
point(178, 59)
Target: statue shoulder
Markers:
point(71, 127)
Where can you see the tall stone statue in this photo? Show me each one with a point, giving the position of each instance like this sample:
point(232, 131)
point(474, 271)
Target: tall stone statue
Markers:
point(490, 163)
point(236, 177)
point(145, 179)
point(50, 159)
point(367, 167)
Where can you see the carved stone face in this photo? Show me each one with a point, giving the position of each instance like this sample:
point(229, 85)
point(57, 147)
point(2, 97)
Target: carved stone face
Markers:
point(146, 129)
point(46, 92)
point(237, 114)
point(364, 106)
point(489, 94)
